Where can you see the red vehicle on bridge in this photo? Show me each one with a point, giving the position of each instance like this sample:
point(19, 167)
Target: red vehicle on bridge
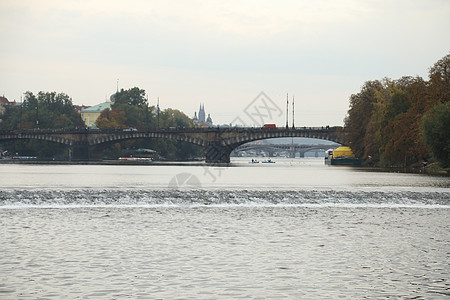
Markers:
point(270, 126)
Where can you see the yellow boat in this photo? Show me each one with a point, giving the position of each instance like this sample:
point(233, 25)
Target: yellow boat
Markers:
point(342, 156)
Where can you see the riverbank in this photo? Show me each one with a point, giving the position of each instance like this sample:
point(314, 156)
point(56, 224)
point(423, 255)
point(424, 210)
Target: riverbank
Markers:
point(431, 169)
point(103, 162)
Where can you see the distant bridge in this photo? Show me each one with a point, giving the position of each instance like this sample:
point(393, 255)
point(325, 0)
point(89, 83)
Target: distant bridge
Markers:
point(291, 149)
point(218, 142)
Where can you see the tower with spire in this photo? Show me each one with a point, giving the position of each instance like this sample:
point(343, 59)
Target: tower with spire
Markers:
point(200, 118)
point(201, 113)
point(209, 120)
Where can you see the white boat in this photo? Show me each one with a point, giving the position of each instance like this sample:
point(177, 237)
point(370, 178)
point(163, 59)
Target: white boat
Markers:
point(136, 158)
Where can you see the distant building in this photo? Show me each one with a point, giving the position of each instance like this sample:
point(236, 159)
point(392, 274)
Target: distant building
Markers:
point(201, 113)
point(3, 103)
point(79, 108)
point(91, 114)
point(201, 120)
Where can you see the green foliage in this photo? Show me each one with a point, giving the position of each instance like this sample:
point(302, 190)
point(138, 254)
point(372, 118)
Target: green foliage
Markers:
point(383, 122)
point(131, 110)
point(47, 110)
point(436, 132)
point(40, 149)
point(174, 118)
point(133, 97)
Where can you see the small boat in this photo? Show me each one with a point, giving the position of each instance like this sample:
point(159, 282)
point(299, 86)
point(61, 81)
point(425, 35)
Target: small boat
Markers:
point(269, 161)
point(254, 161)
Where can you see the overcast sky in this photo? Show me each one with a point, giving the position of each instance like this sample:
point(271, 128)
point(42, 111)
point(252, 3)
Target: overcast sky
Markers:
point(220, 53)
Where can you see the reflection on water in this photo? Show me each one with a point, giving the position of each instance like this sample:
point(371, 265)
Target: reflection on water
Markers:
point(296, 229)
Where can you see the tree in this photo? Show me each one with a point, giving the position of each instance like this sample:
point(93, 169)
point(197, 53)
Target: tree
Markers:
point(46, 110)
point(440, 80)
point(134, 96)
point(112, 119)
point(175, 118)
point(359, 116)
point(131, 110)
point(436, 133)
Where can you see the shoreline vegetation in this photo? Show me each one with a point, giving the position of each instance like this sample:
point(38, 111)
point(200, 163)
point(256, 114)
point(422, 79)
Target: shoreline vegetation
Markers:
point(403, 123)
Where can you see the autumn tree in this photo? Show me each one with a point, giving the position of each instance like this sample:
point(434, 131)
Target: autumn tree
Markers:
point(112, 119)
point(439, 88)
point(359, 116)
point(384, 119)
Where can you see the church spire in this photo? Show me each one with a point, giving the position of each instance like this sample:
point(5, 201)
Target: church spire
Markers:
point(201, 113)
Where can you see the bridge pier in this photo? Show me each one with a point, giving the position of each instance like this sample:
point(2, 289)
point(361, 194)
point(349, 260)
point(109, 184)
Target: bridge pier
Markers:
point(84, 152)
point(217, 153)
point(292, 152)
point(80, 151)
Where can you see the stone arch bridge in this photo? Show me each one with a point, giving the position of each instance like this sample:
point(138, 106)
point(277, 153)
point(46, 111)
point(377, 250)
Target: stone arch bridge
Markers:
point(291, 149)
point(218, 142)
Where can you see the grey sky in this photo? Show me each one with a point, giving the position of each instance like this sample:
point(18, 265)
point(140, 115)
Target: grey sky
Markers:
point(221, 53)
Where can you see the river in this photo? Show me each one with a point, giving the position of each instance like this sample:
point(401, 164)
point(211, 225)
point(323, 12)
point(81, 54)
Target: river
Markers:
point(294, 229)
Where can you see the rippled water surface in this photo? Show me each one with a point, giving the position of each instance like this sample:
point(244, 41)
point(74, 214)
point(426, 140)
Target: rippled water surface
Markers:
point(296, 229)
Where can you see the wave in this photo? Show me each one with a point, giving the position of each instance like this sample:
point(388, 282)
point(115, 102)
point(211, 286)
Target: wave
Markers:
point(60, 198)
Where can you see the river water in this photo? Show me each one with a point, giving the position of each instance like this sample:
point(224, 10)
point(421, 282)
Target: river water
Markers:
point(294, 229)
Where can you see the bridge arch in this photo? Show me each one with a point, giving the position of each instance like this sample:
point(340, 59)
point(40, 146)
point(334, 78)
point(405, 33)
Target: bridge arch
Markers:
point(268, 134)
point(49, 138)
point(106, 138)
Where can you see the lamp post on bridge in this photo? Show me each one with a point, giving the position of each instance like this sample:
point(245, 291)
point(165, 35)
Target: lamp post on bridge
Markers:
point(287, 110)
point(37, 115)
point(157, 112)
point(146, 115)
point(21, 113)
point(293, 113)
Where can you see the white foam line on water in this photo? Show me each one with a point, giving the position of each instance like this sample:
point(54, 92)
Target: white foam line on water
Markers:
point(243, 205)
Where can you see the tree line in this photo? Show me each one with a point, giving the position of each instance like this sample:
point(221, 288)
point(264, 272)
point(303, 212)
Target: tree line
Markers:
point(46, 110)
point(131, 109)
point(402, 122)
point(51, 110)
